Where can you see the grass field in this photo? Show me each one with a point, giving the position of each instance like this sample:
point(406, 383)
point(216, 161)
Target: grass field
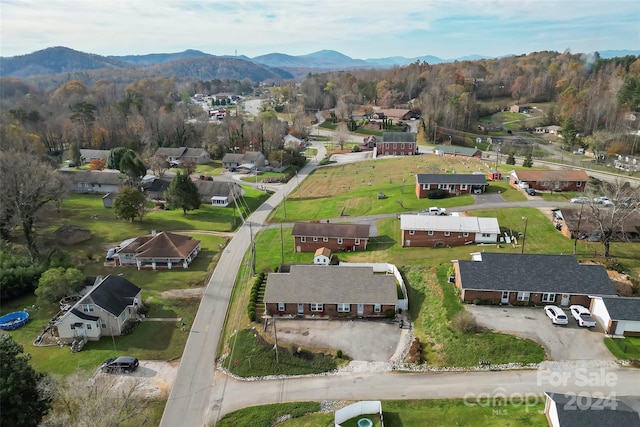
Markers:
point(404, 413)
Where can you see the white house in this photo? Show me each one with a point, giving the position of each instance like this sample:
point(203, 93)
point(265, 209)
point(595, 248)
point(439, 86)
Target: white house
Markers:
point(322, 256)
point(437, 230)
point(618, 316)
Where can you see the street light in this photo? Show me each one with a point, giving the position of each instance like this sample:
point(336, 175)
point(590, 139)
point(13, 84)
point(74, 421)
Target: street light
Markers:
point(524, 237)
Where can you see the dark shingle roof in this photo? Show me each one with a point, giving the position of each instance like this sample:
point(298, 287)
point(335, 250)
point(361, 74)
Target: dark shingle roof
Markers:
point(398, 137)
point(623, 308)
point(321, 229)
point(113, 294)
point(601, 412)
point(455, 149)
point(453, 178)
point(83, 315)
point(534, 273)
point(96, 177)
point(331, 285)
point(208, 189)
point(170, 151)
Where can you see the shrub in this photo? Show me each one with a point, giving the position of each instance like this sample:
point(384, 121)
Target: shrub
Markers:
point(144, 309)
point(464, 322)
point(252, 316)
point(436, 193)
point(339, 354)
point(129, 326)
point(390, 313)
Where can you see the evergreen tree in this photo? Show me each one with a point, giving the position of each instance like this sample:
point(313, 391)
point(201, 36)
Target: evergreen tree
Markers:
point(113, 162)
point(23, 399)
point(511, 160)
point(528, 161)
point(74, 155)
point(182, 193)
point(132, 166)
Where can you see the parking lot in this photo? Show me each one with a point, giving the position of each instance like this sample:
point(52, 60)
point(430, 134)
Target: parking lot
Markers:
point(569, 342)
point(365, 340)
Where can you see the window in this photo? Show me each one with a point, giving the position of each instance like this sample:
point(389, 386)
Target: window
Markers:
point(486, 235)
point(548, 297)
point(386, 145)
point(87, 308)
point(315, 239)
point(325, 239)
point(412, 232)
point(344, 308)
point(79, 184)
point(303, 239)
point(281, 306)
point(402, 146)
point(72, 326)
point(430, 232)
point(465, 234)
point(463, 186)
point(339, 240)
point(88, 326)
point(377, 308)
point(316, 306)
point(443, 186)
point(579, 184)
point(447, 233)
point(523, 296)
point(357, 242)
point(395, 145)
point(103, 324)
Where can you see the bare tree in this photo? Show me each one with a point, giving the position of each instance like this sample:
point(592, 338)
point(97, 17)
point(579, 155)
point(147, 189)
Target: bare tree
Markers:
point(96, 402)
point(610, 218)
point(158, 165)
point(342, 134)
point(28, 184)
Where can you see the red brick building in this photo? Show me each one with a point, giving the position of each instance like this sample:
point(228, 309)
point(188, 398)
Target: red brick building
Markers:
point(453, 184)
point(330, 291)
point(551, 180)
point(309, 236)
point(397, 144)
point(538, 279)
point(439, 231)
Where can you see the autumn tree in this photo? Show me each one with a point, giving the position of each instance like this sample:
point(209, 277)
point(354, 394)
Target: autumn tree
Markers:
point(182, 193)
point(56, 283)
point(97, 165)
point(23, 392)
point(130, 204)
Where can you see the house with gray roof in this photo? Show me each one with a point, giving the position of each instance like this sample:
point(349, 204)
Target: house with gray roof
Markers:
point(177, 155)
point(100, 182)
point(563, 410)
point(440, 231)
point(523, 279)
point(86, 155)
point(102, 311)
point(456, 150)
point(310, 236)
point(618, 316)
point(453, 184)
point(397, 144)
point(248, 160)
point(218, 193)
point(330, 291)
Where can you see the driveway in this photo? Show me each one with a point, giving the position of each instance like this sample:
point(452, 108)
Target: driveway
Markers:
point(365, 340)
point(568, 342)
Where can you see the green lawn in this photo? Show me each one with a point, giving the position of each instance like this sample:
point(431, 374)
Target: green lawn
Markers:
point(405, 413)
point(624, 348)
point(213, 168)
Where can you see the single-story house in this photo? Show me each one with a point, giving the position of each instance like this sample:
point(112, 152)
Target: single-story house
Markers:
point(292, 142)
point(101, 182)
point(574, 224)
point(569, 410)
point(453, 184)
point(175, 156)
point(439, 231)
point(87, 155)
point(617, 315)
point(157, 251)
point(550, 180)
point(455, 150)
point(397, 144)
point(525, 109)
point(102, 311)
point(627, 163)
point(552, 130)
point(218, 193)
point(330, 290)
point(322, 256)
point(530, 278)
point(309, 236)
point(248, 160)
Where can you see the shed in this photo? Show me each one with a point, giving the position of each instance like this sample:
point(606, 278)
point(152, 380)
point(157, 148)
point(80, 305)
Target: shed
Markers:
point(495, 175)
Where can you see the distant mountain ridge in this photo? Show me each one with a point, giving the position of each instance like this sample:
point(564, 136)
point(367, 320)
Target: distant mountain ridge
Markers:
point(198, 64)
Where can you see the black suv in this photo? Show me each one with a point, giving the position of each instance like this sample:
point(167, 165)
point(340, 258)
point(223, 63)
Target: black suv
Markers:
point(118, 364)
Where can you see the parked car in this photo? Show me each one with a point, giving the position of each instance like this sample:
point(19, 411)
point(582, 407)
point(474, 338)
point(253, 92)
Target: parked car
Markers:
point(603, 201)
point(582, 316)
point(532, 191)
point(580, 200)
point(434, 211)
point(124, 364)
point(556, 315)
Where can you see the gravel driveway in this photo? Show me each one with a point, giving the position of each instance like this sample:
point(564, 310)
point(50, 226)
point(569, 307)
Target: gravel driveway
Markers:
point(568, 342)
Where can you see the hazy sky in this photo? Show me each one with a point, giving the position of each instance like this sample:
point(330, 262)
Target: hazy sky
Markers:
point(358, 28)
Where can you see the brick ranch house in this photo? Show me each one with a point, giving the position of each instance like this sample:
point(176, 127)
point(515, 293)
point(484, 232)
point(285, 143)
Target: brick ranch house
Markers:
point(438, 231)
point(330, 291)
point(550, 180)
point(310, 236)
point(535, 279)
point(453, 184)
point(397, 144)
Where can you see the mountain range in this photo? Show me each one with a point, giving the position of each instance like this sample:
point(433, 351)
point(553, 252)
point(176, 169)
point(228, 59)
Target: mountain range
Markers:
point(197, 64)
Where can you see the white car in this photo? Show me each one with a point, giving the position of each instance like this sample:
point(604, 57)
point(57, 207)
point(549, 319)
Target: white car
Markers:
point(603, 201)
point(580, 200)
point(582, 316)
point(556, 315)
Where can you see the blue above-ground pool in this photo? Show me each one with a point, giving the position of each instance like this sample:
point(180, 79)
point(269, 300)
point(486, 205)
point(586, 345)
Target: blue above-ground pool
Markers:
point(365, 422)
point(14, 320)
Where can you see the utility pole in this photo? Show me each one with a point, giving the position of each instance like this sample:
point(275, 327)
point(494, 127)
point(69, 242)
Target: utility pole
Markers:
point(435, 129)
point(524, 238)
point(281, 246)
point(575, 243)
point(284, 205)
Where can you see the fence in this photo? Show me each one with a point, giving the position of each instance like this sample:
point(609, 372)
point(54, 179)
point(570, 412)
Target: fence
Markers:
point(358, 408)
